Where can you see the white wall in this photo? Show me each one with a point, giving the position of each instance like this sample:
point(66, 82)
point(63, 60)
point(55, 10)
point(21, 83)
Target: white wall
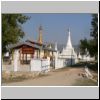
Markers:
point(59, 63)
point(87, 58)
point(63, 62)
point(35, 65)
point(45, 63)
point(40, 65)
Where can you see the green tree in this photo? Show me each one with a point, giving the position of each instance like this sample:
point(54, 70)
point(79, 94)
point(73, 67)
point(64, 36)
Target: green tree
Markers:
point(94, 35)
point(92, 44)
point(94, 29)
point(83, 46)
point(11, 29)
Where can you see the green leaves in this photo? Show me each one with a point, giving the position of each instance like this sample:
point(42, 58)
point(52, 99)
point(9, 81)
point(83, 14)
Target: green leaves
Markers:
point(11, 29)
point(83, 46)
point(94, 29)
point(22, 19)
point(92, 44)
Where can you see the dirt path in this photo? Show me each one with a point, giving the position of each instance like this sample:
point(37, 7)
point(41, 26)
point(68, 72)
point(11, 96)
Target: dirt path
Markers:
point(63, 77)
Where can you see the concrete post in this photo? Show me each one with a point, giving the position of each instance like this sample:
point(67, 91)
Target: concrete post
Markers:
point(16, 60)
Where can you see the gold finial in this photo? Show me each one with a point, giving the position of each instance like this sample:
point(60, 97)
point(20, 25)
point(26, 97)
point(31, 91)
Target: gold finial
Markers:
point(40, 35)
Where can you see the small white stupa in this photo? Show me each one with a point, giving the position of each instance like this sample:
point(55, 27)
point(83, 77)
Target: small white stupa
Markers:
point(68, 52)
point(87, 57)
point(79, 56)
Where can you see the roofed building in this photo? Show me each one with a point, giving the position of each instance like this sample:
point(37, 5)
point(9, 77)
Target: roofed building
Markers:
point(32, 49)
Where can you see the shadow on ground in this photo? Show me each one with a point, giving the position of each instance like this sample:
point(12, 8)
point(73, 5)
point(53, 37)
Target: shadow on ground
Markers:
point(91, 65)
point(85, 82)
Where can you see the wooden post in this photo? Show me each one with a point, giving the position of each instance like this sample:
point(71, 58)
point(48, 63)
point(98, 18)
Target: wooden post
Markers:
point(22, 58)
point(26, 57)
point(39, 53)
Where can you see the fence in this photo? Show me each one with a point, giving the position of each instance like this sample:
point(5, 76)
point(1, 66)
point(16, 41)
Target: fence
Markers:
point(41, 65)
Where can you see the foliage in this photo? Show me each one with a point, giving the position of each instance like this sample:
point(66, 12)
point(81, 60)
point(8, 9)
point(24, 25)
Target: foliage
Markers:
point(92, 44)
point(11, 29)
point(83, 46)
point(94, 29)
point(94, 34)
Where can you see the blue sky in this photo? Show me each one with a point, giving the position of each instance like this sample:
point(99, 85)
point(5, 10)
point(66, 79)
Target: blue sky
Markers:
point(55, 27)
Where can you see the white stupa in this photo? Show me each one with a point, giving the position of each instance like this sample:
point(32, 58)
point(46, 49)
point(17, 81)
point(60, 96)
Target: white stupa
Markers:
point(68, 51)
point(87, 57)
point(79, 56)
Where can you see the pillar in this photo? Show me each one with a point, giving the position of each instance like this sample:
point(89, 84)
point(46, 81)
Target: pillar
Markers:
point(16, 60)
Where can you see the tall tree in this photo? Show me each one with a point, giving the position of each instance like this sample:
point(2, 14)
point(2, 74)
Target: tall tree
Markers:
point(83, 46)
point(94, 35)
point(92, 44)
point(94, 29)
point(11, 29)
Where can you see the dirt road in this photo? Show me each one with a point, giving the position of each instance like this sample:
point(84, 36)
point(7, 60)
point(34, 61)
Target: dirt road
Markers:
point(62, 77)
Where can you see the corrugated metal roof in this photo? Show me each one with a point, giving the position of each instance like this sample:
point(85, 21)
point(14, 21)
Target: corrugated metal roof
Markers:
point(41, 47)
point(24, 43)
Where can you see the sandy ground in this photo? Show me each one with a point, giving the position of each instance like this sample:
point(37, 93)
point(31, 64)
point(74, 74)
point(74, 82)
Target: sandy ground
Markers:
point(62, 77)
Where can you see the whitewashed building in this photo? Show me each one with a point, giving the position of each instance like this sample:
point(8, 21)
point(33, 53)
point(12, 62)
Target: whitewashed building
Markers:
point(67, 57)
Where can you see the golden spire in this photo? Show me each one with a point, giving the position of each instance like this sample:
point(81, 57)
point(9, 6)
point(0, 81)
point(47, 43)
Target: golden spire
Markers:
point(40, 35)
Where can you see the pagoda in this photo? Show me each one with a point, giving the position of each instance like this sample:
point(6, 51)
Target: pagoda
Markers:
point(68, 51)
